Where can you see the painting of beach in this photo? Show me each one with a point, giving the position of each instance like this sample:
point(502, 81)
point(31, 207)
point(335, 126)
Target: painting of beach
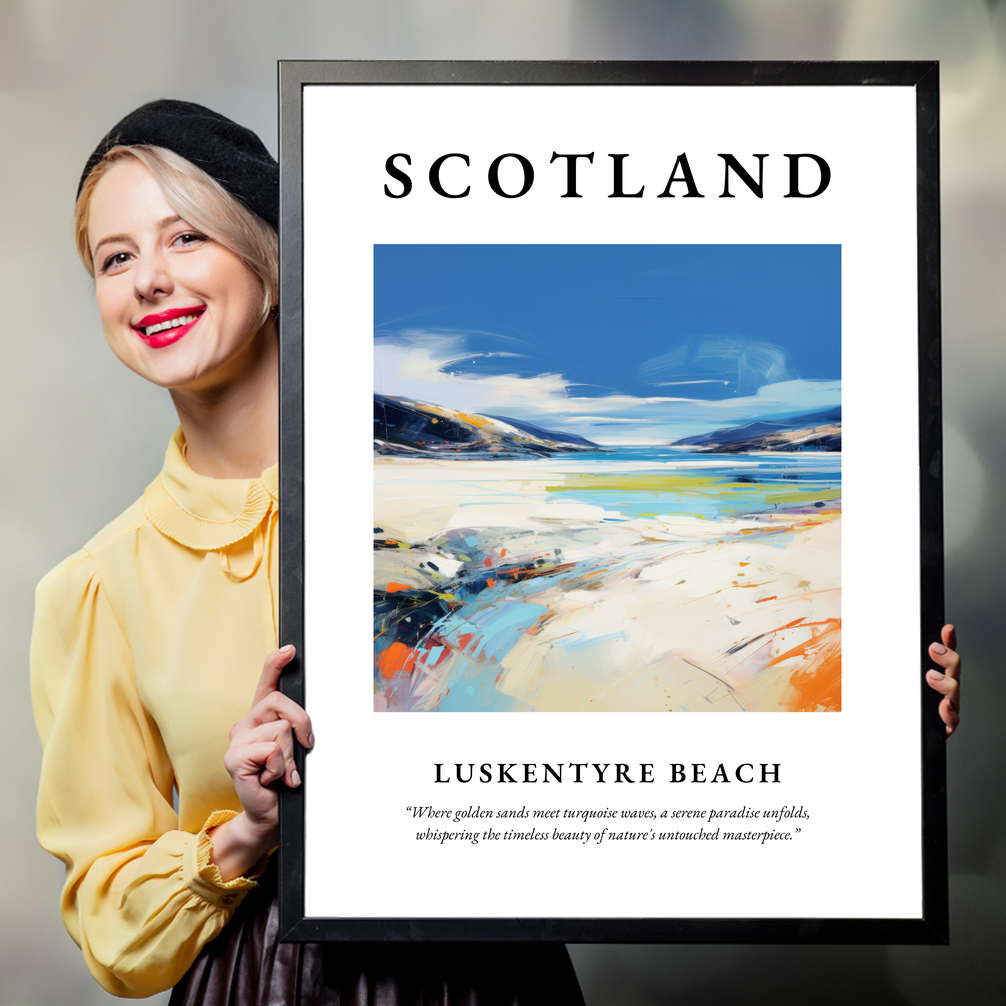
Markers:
point(607, 478)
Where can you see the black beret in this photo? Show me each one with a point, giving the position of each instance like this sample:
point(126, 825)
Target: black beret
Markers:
point(231, 154)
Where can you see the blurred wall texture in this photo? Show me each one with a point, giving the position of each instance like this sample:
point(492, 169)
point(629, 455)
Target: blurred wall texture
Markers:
point(82, 437)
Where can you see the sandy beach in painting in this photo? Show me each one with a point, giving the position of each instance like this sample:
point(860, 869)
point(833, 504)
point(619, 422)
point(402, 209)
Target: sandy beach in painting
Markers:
point(607, 477)
point(680, 584)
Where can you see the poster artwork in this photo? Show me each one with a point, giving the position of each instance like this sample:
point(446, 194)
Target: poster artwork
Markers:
point(646, 343)
point(607, 477)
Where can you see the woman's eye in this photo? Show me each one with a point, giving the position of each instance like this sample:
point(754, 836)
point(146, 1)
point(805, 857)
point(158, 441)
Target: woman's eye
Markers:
point(114, 261)
point(190, 238)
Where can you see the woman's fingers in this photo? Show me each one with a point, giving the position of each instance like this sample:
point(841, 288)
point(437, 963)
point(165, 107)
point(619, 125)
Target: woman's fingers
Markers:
point(949, 710)
point(944, 684)
point(949, 636)
point(261, 749)
point(270, 703)
point(274, 766)
point(271, 671)
point(277, 706)
point(947, 680)
point(261, 761)
point(950, 716)
point(948, 659)
point(277, 735)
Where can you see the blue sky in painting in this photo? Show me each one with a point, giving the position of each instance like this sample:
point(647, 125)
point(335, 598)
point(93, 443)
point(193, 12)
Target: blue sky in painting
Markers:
point(620, 343)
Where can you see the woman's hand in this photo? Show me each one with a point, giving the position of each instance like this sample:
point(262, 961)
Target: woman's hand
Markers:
point(947, 682)
point(260, 753)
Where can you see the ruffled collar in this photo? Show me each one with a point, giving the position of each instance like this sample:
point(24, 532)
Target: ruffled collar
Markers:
point(203, 513)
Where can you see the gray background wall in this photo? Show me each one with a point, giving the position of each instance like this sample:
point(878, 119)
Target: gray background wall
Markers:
point(81, 436)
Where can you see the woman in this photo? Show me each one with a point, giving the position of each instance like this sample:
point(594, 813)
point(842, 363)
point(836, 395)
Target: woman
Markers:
point(148, 643)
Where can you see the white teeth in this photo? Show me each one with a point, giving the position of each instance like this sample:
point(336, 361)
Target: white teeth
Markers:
point(173, 323)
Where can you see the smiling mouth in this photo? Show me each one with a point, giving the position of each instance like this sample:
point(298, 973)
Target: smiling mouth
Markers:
point(185, 319)
point(165, 325)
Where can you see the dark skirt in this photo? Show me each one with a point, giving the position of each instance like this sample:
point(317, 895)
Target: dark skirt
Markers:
point(246, 965)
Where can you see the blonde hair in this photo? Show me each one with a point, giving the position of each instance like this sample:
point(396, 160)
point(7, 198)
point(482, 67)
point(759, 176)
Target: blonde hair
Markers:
point(199, 200)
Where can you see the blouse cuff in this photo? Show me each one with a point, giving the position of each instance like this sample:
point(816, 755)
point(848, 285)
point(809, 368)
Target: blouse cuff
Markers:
point(202, 876)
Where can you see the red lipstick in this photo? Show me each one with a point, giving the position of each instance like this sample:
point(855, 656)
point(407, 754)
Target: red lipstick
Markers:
point(166, 327)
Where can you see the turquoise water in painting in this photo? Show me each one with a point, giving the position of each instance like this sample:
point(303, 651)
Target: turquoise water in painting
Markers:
point(655, 480)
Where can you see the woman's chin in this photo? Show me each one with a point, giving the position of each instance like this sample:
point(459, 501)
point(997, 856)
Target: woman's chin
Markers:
point(173, 374)
point(203, 365)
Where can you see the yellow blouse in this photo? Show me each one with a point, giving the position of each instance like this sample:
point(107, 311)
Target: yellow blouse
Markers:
point(147, 647)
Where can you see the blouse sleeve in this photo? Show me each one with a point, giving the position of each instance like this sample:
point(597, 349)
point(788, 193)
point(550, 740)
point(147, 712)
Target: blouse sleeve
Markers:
point(141, 898)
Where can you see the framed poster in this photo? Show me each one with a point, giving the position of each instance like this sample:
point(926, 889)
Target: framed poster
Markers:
point(656, 430)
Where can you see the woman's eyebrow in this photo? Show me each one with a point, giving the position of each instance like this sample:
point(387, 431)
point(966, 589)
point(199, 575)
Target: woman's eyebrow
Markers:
point(109, 240)
point(160, 225)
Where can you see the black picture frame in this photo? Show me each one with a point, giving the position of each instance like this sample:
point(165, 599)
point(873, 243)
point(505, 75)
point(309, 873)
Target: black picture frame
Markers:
point(932, 925)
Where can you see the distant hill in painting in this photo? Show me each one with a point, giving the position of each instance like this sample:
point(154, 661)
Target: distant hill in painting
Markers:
point(812, 431)
point(408, 428)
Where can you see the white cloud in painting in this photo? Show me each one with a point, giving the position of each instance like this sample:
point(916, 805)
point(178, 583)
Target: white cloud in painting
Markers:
point(426, 366)
point(421, 365)
point(743, 364)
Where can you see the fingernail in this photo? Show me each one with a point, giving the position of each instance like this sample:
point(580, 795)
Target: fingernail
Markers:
point(951, 706)
point(310, 740)
point(295, 777)
point(938, 648)
point(936, 675)
point(286, 649)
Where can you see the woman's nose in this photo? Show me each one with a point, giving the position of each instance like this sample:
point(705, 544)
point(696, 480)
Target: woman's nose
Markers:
point(152, 277)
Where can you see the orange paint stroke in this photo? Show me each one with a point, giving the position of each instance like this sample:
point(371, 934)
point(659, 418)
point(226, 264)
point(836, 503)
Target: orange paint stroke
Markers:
point(818, 685)
point(394, 587)
point(487, 561)
point(397, 657)
point(490, 582)
point(762, 600)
